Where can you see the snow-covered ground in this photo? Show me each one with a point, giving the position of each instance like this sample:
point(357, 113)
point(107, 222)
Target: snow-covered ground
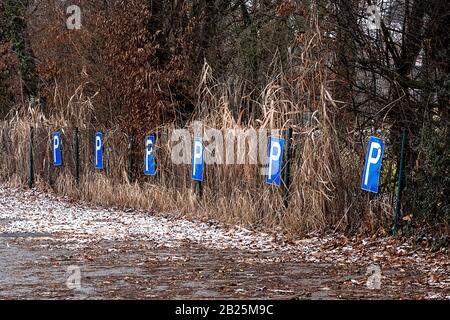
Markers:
point(50, 222)
point(80, 224)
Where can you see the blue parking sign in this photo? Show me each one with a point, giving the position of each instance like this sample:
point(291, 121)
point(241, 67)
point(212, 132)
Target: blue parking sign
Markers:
point(372, 167)
point(276, 147)
point(198, 160)
point(149, 161)
point(56, 142)
point(99, 151)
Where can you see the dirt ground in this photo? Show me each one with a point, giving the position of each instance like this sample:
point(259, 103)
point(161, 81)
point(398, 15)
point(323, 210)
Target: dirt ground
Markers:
point(177, 259)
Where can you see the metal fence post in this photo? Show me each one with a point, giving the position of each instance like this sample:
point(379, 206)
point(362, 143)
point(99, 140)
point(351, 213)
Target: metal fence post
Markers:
point(400, 184)
point(287, 172)
point(199, 189)
point(76, 143)
point(30, 160)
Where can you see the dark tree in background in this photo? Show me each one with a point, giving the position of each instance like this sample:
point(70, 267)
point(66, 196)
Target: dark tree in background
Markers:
point(13, 23)
point(399, 75)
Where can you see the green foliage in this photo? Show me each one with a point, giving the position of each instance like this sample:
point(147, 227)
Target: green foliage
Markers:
point(15, 32)
point(430, 180)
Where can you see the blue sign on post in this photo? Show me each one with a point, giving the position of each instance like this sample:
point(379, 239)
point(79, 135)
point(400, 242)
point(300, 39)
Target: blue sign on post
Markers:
point(276, 147)
point(372, 168)
point(149, 161)
point(56, 142)
point(99, 151)
point(198, 160)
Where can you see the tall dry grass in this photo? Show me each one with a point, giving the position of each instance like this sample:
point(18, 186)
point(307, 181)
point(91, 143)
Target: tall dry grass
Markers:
point(326, 167)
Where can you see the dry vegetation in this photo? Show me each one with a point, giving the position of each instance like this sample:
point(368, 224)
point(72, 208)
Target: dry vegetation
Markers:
point(150, 77)
point(325, 176)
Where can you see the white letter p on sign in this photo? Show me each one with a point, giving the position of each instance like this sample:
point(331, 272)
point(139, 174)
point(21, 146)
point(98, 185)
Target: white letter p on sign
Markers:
point(372, 160)
point(275, 153)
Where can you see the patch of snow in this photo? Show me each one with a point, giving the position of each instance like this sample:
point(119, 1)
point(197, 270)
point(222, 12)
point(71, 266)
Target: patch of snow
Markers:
point(79, 225)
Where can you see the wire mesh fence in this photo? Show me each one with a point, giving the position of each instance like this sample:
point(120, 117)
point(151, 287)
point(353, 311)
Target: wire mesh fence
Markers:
point(324, 187)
